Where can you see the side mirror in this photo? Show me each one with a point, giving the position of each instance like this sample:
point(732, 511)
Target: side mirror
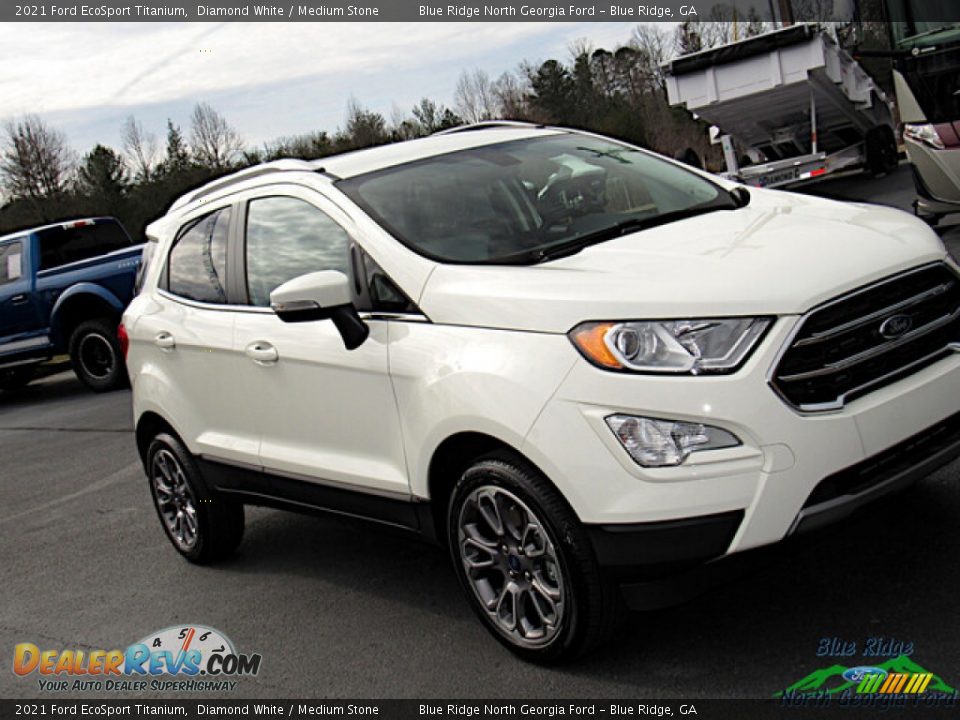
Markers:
point(321, 296)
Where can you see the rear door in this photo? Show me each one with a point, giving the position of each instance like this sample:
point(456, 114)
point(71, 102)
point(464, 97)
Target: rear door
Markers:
point(19, 319)
point(188, 339)
point(327, 416)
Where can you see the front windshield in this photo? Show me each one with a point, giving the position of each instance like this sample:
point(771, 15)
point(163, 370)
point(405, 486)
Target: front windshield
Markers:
point(915, 23)
point(491, 203)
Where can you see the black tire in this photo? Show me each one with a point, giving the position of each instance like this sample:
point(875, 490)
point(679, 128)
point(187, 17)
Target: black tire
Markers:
point(16, 377)
point(218, 521)
point(96, 355)
point(881, 150)
point(588, 602)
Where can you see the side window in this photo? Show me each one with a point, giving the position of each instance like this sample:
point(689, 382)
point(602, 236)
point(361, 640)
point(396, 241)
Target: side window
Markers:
point(197, 268)
point(286, 238)
point(385, 296)
point(79, 241)
point(11, 262)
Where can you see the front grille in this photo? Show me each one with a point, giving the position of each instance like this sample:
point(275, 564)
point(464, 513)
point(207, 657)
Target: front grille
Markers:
point(847, 347)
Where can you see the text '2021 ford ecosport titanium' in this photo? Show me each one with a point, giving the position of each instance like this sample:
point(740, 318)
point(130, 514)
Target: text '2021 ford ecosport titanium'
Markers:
point(566, 358)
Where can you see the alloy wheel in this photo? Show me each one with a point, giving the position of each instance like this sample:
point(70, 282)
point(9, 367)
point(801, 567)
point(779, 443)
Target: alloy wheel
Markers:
point(511, 564)
point(174, 498)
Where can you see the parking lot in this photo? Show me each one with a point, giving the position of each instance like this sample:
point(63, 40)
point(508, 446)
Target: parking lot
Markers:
point(338, 608)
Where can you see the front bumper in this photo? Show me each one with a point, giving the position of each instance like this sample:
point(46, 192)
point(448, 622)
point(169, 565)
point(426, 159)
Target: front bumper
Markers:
point(770, 482)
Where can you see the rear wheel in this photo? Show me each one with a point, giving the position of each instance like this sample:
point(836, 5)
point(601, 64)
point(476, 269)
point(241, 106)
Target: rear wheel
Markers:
point(526, 564)
point(96, 355)
point(202, 525)
point(17, 377)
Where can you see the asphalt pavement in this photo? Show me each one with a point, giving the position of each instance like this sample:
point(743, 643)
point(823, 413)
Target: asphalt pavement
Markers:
point(338, 608)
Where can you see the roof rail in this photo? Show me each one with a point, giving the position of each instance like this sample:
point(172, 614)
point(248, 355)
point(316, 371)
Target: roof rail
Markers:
point(489, 124)
point(285, 165)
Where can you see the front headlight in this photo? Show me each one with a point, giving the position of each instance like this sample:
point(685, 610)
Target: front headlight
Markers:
point(715, 345)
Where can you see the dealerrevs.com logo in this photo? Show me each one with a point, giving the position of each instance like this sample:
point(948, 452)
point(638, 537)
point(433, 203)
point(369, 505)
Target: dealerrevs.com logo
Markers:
point(178, 658)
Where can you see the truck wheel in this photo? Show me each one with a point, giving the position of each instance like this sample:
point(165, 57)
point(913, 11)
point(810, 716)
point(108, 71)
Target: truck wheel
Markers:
point(202, 525)
point(881, 150)
point(526, 564)
point(17, 377)
point(96, 355)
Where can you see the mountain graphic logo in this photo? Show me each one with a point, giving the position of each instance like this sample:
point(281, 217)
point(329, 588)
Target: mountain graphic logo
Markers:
point(831, 681)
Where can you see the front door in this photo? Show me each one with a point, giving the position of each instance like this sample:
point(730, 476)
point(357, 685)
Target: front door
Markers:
point(327, 416)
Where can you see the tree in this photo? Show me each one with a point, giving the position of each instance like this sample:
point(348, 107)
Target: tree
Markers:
point(433, 118)
point(688, 38)
point(552, 91)
point(102, 178)
point(364, 127)
point(474, 98)
point(140, 148)
point(36, 163)
point(511, 97)
point(214, 143)
point(177, 158)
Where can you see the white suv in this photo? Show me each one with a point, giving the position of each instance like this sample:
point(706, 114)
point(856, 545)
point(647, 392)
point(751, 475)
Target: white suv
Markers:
point(567, 359)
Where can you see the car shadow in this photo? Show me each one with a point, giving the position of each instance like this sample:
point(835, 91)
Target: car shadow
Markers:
point(54, 383)
point(880, 572)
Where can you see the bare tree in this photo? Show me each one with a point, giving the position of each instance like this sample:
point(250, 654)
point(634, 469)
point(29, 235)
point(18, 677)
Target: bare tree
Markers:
point(474, 98)
point(36, 162)
point(212, 139)
point(511, 96)
point(140, 148)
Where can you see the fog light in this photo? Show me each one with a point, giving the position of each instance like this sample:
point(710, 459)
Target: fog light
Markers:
point(660, 443)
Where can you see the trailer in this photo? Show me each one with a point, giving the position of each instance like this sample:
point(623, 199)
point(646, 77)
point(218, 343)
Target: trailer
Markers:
point(788, 105)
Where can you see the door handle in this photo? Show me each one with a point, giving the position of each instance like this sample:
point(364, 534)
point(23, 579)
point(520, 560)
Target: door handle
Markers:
point(262, 353)
point(20, 299)
point(165, 341)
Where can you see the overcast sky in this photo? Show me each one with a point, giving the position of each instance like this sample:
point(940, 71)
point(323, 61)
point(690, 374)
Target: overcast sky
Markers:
point(267, 79)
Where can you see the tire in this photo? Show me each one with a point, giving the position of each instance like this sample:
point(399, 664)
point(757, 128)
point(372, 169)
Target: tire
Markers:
point(545, 598)
point(179, 492)
point(881, 149)
point(16, 377)
point(96, 356)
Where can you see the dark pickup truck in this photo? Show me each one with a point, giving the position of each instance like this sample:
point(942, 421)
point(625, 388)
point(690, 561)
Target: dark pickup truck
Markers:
point(63, 288)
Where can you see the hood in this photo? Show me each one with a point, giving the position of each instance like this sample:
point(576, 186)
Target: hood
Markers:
point(781, 255)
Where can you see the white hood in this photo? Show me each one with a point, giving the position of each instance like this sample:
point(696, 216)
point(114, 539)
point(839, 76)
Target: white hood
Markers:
point(781, 255)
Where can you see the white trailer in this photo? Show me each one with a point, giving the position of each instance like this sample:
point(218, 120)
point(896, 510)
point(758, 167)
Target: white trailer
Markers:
point(796, 103)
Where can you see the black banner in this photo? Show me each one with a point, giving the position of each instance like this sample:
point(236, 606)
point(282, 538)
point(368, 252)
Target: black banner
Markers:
point(477, 11)
point(826, 707)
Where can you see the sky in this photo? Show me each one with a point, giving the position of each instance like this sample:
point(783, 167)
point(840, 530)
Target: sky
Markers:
point(267, 79)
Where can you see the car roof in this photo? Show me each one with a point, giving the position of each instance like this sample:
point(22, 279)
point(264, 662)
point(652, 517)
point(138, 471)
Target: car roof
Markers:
point(360, 162)
point(372, 159)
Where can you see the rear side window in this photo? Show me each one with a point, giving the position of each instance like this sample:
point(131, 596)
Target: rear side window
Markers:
point(197, 268)
point(11, 262)
point(286, 238)
point(63, 245)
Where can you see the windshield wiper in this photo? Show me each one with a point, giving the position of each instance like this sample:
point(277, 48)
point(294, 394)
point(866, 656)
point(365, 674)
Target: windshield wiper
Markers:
point(576, 244)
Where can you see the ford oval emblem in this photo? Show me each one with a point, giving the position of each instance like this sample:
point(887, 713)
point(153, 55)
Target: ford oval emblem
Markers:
point(896, 326)
point(856, 674)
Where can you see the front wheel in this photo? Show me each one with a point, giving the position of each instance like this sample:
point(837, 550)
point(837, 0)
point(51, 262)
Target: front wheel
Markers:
point(96, 355)
point(526, 563)
point(201, 524)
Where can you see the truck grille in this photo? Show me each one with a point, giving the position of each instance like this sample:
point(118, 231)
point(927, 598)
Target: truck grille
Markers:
point(870, 338)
